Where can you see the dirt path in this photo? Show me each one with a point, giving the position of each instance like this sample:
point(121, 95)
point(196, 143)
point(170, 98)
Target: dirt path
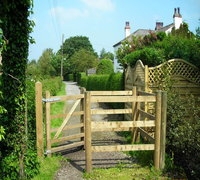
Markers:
point(73, 170)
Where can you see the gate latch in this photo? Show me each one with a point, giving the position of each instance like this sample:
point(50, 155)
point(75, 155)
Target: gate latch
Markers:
point(50, 99)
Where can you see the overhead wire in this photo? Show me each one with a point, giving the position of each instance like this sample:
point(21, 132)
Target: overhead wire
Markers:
point(55, 21)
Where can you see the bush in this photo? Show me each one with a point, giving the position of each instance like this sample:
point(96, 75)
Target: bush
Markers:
point(183, 138)
point(149, 56)
point(105, 66)
point(97, 82)
point(53, 85)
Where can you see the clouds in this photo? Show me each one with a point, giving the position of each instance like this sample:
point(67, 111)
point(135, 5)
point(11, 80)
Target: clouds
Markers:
point(87, 8)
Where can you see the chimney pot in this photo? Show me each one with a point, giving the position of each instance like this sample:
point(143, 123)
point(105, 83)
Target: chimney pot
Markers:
point(127, 29)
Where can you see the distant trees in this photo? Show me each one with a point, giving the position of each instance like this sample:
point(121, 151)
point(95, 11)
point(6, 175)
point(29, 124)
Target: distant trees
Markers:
point(106, 55)
point(82, 60)
point(70, 51)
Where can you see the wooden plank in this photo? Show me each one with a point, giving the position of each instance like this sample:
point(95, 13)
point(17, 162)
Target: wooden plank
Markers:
point(111, 111)
point(39, 118)
point(117, 148)
point(123, 99)
point(163, 129)
point(146, 115)
point(48, 123)
point(146, 135)
point(110, 93)
point(66, 147)
point(157, 130)
point(88, 132)
point(104, 126)
point(67, 118)
point(67, 138)
point(80, 125)
point(68, 97)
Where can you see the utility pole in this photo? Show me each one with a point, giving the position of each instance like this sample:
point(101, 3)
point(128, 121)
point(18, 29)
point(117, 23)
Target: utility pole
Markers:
point(61, 65)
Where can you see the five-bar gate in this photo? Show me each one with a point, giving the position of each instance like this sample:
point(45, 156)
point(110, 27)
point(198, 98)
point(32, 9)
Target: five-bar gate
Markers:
point(141, 121)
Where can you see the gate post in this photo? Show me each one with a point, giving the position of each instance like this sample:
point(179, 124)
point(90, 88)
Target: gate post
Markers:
point(157, 130)
point(39, 119)
point(88, 138)
point(163, 129)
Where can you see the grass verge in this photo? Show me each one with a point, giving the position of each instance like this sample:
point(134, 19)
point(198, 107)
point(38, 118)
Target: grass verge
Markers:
point(136, 172)
point(48, 167)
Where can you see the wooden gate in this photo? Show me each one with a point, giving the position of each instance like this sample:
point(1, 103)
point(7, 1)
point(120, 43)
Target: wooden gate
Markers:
point(69, 131)
point(141, 120)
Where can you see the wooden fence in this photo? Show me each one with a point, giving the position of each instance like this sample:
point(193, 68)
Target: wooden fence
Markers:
point(156, 120)
point(183, 76)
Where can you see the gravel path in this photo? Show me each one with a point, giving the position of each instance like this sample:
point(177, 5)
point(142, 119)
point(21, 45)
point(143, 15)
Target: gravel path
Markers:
point(73, 170)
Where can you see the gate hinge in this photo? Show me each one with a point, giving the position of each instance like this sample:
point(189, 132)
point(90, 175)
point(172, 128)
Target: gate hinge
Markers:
point(50, 99)
point(48, 152)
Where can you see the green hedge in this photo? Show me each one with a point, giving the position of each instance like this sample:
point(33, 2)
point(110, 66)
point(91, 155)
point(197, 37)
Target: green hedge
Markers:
point(53, 85)
point(112, 82)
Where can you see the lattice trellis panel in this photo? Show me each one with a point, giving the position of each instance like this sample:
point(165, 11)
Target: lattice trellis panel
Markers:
point(172, 68)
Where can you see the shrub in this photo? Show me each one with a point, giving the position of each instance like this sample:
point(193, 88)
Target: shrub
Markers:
point(149, 56)
point(183, 138)
point(97, 82)
point(105, 66)
point(53, 85)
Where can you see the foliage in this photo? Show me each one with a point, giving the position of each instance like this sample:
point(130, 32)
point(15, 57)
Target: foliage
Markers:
point(44, 64)
point(2, 133)
point(11, 165)
point(106, 55)
point(105, 66)
point(53, 85)
point(16, 28)
point(150, 56)
point(82, 60)
point(137, 43)
point(181, 47)
point(183, 139)
point(104, 82)
point(71, 46)
point(97, 82)
point(74, 44)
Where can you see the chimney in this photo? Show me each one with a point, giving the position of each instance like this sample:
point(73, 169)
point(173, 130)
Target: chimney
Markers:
point(159, 25)
point(127, 29)
point(177, 18)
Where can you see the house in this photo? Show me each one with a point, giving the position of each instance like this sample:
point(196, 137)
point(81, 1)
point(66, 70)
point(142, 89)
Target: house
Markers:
point(177, 21)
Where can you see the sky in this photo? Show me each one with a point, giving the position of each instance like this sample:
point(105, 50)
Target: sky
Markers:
point(102, 21)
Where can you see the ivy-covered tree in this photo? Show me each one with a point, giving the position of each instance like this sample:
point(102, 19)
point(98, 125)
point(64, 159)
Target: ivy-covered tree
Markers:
point(16, 27)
